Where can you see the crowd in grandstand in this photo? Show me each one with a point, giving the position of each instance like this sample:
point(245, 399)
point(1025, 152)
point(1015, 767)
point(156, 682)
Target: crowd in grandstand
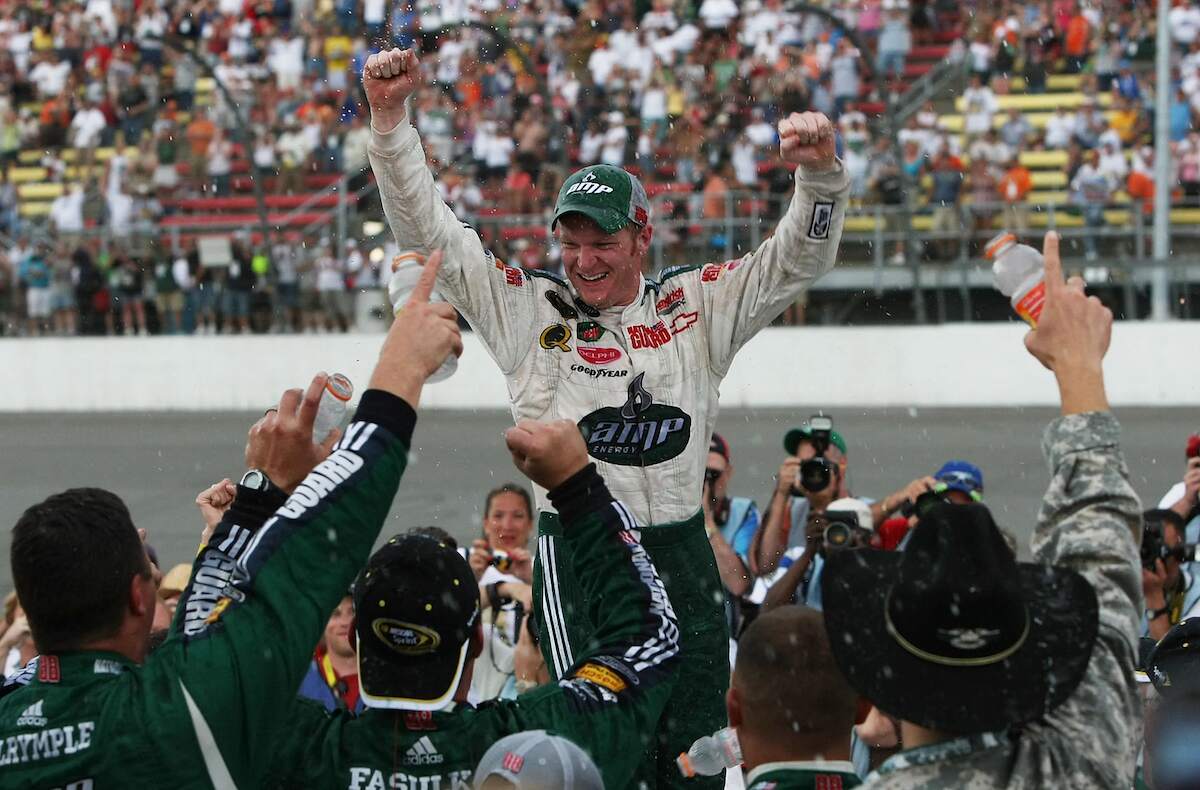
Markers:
point(109, 128)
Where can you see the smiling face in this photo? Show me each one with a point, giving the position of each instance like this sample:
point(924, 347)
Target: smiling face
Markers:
point(508, 522)
point(605, 268)
point(337, 629)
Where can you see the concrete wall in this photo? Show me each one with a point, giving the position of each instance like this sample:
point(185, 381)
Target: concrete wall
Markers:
point(952, 365)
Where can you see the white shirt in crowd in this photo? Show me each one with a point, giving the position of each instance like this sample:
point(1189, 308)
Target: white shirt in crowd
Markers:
point(717, 14)
point(980, 106)
point(120, 213)
point(613, 150)
point(600, 64)
point(1058, 129)
point(87, 125)
point(66, 212)
point(329, 273)
point(50, 77)
point(374, 11)
point(182, 272)
point(589, 147)
point(660, 20)
point(1113, 164)
point(448, 57)
point(654, 104)
point(499, 151)
point(293, 147)
point(286, 58)
point(1185, 23)
point(745, 164)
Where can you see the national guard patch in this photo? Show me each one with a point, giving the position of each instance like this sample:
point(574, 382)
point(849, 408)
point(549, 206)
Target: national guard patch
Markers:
point(822, 218)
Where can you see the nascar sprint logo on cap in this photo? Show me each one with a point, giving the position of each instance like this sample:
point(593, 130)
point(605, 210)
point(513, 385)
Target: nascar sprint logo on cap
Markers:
point(407, 639)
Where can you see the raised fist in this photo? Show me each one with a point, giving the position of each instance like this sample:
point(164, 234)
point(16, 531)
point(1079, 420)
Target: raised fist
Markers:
point(389, 78)
point(807, 139)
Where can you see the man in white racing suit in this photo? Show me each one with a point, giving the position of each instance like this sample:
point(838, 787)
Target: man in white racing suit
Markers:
point(637, 363)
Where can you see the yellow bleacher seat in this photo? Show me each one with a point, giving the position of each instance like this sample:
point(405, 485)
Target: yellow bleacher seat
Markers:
point(954, 123)
point(1048, 179)
point(1044, 160)
point(23, 175)
point(1034, 102)
point(39, 191)
point(29, 156)
point(205, 85)
point(35, 209)
point(1054, 82)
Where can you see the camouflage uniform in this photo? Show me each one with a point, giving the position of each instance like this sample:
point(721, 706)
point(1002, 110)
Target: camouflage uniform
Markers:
point(1090, 521)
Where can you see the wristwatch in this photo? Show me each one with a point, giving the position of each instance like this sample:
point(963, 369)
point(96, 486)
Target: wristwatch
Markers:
point(1154, 614)
point(255, 479)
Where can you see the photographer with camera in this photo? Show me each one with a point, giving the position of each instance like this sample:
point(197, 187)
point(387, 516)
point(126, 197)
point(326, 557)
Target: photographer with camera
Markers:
point(845, 524)
point(1168, 583)
point(1184, 496)
point(812, 476)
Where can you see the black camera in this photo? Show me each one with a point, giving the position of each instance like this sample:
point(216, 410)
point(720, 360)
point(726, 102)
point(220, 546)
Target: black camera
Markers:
point(711, 476)
point(817, 472)
point(1154, 544)
point(840, 529)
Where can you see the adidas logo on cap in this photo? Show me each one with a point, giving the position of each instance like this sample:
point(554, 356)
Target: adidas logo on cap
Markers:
point(423, 752)
point(32, 716)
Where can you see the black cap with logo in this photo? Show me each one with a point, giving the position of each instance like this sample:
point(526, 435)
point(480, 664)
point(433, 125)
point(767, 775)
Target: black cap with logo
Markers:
point(416, 605)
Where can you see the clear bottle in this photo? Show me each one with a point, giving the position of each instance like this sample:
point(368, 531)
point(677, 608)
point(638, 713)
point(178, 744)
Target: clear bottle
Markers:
point(712, 754)
point(406, 271)
point(335, 402)
point(1018, 272)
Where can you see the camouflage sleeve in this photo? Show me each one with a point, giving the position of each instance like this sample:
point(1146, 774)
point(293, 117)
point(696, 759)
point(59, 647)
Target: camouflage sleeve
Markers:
point(1090, 521)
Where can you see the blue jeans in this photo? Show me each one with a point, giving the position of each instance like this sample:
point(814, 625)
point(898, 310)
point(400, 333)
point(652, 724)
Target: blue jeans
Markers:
point(890, 62)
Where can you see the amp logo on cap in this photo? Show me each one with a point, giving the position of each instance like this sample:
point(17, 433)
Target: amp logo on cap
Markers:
point(589, 185)
point(407, 639)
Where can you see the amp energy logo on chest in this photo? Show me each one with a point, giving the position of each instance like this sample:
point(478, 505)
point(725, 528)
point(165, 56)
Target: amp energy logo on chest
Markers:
point(639, 433)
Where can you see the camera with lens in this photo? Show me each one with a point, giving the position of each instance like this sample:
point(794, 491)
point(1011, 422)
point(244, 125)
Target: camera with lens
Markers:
point(816, 473)
point(711, 476)
point(1154, 543)
point(841, 527)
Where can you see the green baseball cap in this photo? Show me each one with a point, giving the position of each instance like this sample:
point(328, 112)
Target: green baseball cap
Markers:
point(608, 195)
point(792, 439)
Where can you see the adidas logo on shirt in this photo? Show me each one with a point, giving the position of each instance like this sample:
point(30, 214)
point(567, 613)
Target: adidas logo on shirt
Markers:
point(423, 752)
point(32, 716)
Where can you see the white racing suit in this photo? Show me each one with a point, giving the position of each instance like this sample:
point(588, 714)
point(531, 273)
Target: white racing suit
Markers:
point(641, 380)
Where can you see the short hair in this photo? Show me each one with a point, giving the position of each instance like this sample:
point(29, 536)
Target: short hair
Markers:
point(509, 488)
point(73, 557)
point(788, 681)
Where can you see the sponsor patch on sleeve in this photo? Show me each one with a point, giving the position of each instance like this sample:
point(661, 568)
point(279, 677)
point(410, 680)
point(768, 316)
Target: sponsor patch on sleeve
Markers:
point(602, 676)
point(822, 219)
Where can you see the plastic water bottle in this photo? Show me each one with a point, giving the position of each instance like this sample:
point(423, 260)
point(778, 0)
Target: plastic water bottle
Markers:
point(712, 754)
point(335, 401)
point(406, 271)
point(1019, 272)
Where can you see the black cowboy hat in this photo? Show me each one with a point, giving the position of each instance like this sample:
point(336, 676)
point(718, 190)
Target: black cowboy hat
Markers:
point(953, 633)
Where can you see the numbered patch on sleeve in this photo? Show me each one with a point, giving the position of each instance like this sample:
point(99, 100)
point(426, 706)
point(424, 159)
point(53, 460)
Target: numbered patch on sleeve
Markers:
point(822, 218)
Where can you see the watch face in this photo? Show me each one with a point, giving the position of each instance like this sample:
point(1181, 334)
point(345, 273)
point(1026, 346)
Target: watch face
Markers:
point(254, 479)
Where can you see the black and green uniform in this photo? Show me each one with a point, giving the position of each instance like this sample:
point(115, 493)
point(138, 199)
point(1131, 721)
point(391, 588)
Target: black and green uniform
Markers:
point(203, 708)
point(818, 775)
point(683, 557)
point(608, 703)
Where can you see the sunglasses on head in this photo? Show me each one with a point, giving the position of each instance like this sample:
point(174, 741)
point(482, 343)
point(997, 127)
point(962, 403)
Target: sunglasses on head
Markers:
point(965, 478)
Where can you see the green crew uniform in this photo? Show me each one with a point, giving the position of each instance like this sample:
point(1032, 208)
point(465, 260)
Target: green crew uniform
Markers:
point(202, 710)
point(609, 702)
point(814, 775)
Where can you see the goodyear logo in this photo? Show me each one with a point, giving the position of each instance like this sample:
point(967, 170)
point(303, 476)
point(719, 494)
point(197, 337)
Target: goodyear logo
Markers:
point(407, 639)
point(588, 185)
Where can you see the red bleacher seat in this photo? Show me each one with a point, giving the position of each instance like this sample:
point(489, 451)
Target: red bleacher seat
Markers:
point(248, 203)
point(535, 232)
point(654, 189)
point(244, 220)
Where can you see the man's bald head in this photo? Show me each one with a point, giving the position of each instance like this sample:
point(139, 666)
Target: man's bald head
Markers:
point(787, 685)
